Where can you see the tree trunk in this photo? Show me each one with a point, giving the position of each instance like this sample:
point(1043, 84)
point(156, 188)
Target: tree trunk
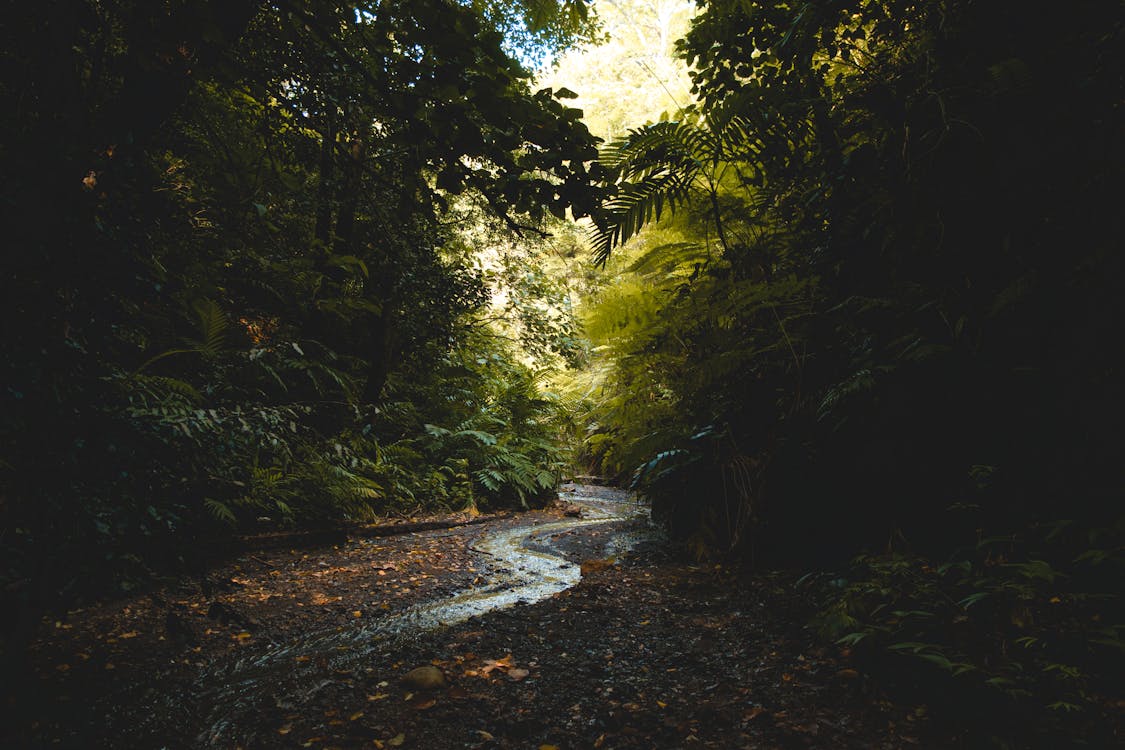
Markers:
point(323, 229)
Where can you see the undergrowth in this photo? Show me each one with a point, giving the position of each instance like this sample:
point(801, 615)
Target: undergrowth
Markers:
point(1018, 640)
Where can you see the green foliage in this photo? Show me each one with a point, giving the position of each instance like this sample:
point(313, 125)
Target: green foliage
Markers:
point(510, 449)
point(860, 287)
point(995, 636)
point(239, 243)
point(212, 327)
point(668, 163)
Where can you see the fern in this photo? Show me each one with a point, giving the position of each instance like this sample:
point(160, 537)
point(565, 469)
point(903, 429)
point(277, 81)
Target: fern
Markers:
point(220, 510)
point(211, 325)
point(665, 163)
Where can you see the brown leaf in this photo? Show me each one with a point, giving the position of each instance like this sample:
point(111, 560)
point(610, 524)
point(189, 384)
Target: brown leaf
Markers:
point(753, 713)
point(491, 664)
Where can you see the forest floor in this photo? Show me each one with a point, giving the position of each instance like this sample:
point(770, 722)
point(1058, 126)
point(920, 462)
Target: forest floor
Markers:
point(646, 651)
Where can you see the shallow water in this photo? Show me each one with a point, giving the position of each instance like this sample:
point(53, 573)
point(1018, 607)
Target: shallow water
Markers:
point(233, 689)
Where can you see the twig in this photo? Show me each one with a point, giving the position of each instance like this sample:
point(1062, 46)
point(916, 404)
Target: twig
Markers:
point(263, 562)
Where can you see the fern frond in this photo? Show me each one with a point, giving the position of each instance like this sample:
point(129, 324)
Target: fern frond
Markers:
point(662, 163)
point(637, 204)
point(669, 256)
point(177, 387)
point(491, 479)
point(211, 322)
point(220, 510)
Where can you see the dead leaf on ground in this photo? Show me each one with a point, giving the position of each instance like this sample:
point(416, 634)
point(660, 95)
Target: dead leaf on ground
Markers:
point(493, 664)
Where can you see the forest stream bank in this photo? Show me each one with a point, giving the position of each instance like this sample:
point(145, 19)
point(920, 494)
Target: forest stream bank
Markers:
point(312, 649)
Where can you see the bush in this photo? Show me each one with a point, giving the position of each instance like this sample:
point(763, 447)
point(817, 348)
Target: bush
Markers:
point(1024, 634)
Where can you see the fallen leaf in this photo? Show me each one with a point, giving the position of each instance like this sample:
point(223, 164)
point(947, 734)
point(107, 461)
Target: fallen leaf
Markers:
point(518, 674)
point(397, 740)
point(285, 729)
point(355, 716)
point(491, 664)
point(753, 713)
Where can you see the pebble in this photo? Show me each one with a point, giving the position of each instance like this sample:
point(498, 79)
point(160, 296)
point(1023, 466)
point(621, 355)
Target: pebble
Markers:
point(424, 678)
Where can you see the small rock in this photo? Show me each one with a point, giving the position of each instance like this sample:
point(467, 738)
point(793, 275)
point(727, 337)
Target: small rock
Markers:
point(424, 678)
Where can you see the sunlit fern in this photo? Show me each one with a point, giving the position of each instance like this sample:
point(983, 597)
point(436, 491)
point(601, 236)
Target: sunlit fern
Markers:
point(664, 165)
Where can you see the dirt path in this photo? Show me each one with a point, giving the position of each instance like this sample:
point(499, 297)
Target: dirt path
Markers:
point(309, 649)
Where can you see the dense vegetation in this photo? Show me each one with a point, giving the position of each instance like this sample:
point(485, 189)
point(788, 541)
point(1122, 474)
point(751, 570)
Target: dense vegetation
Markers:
point(255, 253)
point(298, 263)
point(887, 316)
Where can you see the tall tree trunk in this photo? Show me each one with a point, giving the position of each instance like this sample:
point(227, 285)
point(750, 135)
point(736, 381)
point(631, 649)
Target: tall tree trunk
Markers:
point(323, 229)
point(353, 184)
point(381, 352)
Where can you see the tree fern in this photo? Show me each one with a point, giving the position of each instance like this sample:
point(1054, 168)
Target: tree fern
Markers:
point(666, 163)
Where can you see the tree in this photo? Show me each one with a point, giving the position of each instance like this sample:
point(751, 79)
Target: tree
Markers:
point(863, 130)
point(233, 230)
point(633, 75)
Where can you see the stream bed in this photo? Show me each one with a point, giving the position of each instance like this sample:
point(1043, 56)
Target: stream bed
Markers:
point(520, 564)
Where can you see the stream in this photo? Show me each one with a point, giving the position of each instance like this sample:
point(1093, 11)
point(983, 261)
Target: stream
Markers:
point(287, 675)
